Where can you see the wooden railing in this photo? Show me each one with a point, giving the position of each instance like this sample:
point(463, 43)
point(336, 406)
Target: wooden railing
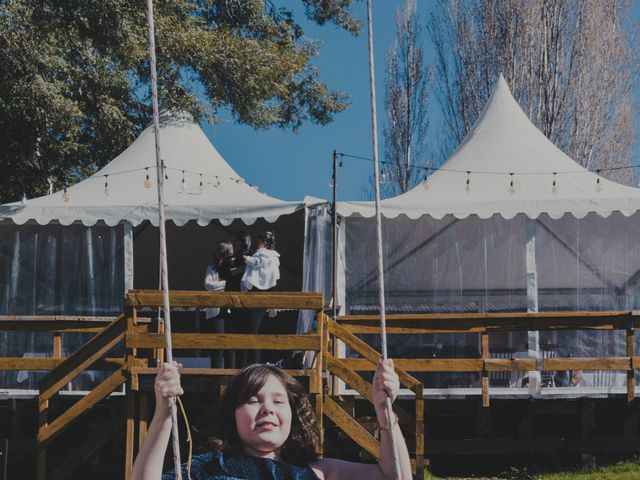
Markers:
point(57, 325)
point(338, 367)
point(143, 348)
point(485, 324)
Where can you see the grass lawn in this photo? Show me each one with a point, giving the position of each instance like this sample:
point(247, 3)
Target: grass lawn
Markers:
point(629, 470)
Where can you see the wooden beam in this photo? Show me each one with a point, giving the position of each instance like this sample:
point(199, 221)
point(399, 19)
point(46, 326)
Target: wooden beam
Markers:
point(217, 372)
point(497, 364)
point(203, 299)
point(490, 315)
point(103, 390)
point(366, 351)
point(47, 364)
point(422, 364)
point(55, 318)
point(351, 427)
point(224, 341)
point(83, 358)
point(360, 385)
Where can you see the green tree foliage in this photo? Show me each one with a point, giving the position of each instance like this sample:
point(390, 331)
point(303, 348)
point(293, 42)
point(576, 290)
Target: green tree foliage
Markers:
point(74, 76)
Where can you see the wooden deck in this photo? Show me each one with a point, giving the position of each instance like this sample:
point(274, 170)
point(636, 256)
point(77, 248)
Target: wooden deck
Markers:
point(333, 381)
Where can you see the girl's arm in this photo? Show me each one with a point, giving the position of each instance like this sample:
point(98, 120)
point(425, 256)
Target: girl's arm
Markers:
point(385, 383)
point(148, 464)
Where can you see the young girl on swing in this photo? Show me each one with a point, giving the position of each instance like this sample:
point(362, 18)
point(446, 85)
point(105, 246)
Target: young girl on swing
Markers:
point(266, 429)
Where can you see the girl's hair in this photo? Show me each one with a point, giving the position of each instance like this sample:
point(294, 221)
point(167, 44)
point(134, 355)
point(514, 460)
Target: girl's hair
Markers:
point(224, 249)
point(302, 444)
point(268, 238)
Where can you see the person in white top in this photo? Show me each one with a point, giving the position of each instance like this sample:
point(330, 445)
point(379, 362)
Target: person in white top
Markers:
point(262, 272)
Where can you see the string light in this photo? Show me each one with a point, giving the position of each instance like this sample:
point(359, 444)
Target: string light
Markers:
point(147, 181)
point(383, 177)
point(201, 186)
point(24, 199)
point(182, 183)
point(106, 184)
point(467, 187)
point(425, 183)
point(554, 188)
point(340, 164)
point(65, 195)
point(598, 184)
point(512, 188)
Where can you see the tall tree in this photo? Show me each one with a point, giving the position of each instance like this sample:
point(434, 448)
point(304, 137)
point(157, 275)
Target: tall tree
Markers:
point(74, 76)
point(569, 63)
point(406, 101)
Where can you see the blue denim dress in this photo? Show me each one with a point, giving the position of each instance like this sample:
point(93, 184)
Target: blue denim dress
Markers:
point(214, 466)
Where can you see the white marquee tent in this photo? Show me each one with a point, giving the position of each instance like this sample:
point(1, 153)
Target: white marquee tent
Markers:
point(508, 223)
point(75, 252)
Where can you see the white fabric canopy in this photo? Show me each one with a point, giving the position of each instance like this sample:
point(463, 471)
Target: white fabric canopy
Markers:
point(187, 154)
point(503, 141)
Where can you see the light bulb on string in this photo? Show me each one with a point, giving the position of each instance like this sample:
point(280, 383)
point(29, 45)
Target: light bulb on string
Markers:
point(24, 199)
point(147, 181)
point(65, 195)
point(383, 177)
point(598, 184)
point(200, 186)
point(341, 157)
point(467, 187)
point(106, 184)
point(512, 188)
point(554, 187)
point(425, 183)
point(182, 182)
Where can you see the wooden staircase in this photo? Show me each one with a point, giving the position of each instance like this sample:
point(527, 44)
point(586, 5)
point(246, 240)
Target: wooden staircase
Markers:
point(49, 428)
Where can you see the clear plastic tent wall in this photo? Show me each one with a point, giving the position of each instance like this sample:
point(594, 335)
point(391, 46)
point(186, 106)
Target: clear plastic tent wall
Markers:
point(70, 270)
point(479, 265)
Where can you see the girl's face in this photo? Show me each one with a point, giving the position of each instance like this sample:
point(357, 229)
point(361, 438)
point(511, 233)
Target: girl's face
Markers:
point(264, 420)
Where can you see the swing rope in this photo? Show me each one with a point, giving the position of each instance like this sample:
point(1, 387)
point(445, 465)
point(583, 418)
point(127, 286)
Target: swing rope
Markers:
point(376, 183)
point(164, 275)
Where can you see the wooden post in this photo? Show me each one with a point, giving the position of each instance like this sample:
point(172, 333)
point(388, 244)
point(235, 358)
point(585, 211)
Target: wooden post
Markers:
point(321, 367)
point(130, 400)
point(57, 345)
point(43, 407)
point(484, 340)
point(143, 417)
point(419, 432)
point(129, 435)
point(631, 379)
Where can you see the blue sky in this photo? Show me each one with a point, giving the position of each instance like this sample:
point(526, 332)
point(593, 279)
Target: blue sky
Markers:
point(291, 165)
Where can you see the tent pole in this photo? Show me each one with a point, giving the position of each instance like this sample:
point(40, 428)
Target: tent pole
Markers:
point(164, 274)
point(376, 184)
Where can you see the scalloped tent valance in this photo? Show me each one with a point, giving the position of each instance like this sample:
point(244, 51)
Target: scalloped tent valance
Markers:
point(200, 186)
point(502, 141)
